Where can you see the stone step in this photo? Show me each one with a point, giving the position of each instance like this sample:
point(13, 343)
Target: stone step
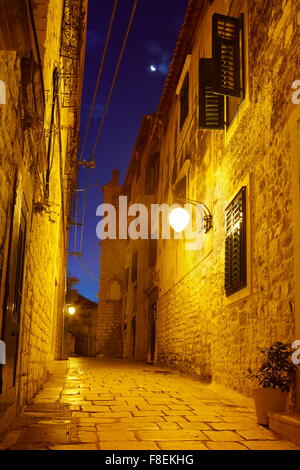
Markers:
point(286, 425)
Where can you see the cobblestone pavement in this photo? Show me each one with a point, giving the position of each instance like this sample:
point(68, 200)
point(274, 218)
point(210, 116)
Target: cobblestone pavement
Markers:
point(122, 405)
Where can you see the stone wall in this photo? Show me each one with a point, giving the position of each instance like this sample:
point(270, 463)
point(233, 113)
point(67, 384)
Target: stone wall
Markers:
point(23, 164)
point(199, 330)
point(109, 330)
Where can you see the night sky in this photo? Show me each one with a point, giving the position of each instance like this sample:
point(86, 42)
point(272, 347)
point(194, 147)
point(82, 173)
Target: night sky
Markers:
point(137, 91)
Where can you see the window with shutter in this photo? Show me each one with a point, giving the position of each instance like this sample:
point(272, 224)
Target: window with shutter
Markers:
point(184, 101)
point(227, 50)
point(152, 174)
point(235, 244)
point(211, 112)
point(134, 267)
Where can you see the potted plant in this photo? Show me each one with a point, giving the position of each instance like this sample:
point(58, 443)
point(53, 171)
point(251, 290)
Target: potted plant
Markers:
point(275, 377)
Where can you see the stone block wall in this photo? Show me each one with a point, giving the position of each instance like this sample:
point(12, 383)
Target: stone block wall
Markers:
point(23, 166)
point(109, 321)
point(199, 330)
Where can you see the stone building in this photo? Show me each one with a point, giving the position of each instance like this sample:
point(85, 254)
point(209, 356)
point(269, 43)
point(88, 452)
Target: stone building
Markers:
point(109, 321)
point(41, 69)
point(81, 327)
point(226, 134)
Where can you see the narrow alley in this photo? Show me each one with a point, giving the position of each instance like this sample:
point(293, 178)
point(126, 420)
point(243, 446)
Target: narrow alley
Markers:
point(149, 226)
point(94, 404)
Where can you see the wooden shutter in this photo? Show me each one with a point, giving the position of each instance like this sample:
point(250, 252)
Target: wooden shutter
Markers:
point(211, 112)
point(235, 244)
point(134, 267)
point(184, 101)
point(226, 54)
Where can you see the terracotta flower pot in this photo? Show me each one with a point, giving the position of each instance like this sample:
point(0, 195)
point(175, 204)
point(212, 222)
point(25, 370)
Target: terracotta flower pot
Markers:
point(266, 400)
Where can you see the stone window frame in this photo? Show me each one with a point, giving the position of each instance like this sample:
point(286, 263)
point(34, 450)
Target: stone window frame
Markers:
point(247, 290)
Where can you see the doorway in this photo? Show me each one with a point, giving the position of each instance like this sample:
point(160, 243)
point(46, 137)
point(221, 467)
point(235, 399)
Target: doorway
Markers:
point(10, 330)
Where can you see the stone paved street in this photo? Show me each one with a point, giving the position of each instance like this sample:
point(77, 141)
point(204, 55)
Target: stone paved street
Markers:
point(122, 405)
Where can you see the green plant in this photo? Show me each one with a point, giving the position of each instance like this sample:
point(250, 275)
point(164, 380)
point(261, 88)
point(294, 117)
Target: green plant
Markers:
point(277, 370)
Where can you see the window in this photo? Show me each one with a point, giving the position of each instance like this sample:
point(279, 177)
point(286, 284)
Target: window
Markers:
point(223, 74)
point(184, 101)
point(211, 113)
point(235, 244)
point(152, 174)
point(226, 47)
point(134, 267)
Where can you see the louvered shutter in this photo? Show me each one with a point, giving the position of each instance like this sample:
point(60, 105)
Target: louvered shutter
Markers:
point(235, 244)
point(211, 112)
point(226, 54)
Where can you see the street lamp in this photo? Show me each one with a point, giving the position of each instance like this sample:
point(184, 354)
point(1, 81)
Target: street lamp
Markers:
point(71, 310)
point(179, 218)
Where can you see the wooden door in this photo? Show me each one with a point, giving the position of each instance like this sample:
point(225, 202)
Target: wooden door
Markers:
point(10, 331)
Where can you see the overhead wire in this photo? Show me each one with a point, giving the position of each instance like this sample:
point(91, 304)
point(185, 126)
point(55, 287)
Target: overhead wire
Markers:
point(99, 76)
point(83, 264)
point(108, 35)
point(108, 100)
point(114, 79)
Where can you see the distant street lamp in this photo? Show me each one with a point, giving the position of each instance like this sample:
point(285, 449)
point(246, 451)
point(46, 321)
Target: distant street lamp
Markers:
point(179, 218)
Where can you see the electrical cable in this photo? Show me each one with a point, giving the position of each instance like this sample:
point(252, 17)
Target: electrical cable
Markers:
point(98, 78)
point(83, 210)
point(108, 35)
point(101, 127)
point(87, 270)
point(105, 113)
point(114, 80)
